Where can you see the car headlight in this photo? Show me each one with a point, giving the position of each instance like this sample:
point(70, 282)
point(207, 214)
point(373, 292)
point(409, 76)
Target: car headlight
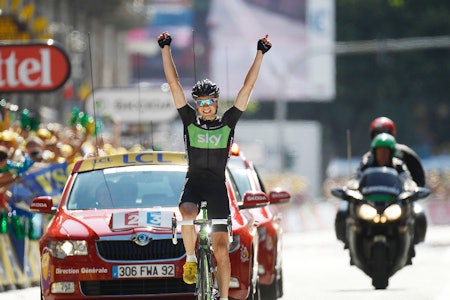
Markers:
point(62, 249)
point(367, 212)
point(392, 212)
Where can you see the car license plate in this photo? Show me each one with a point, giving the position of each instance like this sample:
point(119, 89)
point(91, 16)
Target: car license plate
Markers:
point(143, 271)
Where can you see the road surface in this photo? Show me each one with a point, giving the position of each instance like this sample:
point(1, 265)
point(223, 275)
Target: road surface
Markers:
point(316, 267)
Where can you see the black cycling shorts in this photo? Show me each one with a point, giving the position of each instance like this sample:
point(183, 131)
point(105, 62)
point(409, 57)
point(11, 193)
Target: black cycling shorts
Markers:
point(214, 192)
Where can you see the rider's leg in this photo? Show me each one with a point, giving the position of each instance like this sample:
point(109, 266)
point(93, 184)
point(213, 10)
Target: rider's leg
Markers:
point(189, 211)
point(220, 247)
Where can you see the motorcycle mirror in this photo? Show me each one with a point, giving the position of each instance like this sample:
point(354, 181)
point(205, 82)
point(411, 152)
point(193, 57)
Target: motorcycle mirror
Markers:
point(346, 194)
point(419, 193)
point(422, 192)
point(338, 192)
point(354, 194)
point(406, 195)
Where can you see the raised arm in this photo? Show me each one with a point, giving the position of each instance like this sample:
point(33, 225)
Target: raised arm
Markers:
point(179, 99)
point(244, 93)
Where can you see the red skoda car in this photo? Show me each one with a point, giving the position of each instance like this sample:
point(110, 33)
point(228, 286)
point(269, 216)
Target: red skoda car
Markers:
point(110, 237)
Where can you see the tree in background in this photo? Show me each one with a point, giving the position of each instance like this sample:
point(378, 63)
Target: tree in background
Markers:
point(410, 87)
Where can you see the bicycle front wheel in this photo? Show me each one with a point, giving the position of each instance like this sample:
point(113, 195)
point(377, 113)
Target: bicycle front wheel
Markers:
point(204, 278)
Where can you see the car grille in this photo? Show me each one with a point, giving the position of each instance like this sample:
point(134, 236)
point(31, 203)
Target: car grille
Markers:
point(129, 250)
point(135, 287)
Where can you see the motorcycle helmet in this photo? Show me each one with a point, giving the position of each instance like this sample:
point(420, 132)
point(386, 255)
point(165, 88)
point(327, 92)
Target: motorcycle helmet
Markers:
point(383, 140)
point(381, 124)
point(205, 87)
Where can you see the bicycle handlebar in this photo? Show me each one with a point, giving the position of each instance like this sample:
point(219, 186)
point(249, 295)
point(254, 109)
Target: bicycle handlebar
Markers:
point(200, 222)
point(175, 224)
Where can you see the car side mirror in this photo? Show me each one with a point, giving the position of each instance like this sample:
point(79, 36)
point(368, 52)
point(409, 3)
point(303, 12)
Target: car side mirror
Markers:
point(43, 204)
point(254, 199)
point(279, 196)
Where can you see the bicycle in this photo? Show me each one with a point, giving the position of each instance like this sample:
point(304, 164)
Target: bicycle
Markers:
point(205, 284)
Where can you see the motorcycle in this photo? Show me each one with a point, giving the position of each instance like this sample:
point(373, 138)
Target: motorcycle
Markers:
point(380, 227)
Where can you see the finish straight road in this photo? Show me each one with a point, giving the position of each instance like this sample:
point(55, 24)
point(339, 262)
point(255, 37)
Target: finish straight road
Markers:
point(316, 267)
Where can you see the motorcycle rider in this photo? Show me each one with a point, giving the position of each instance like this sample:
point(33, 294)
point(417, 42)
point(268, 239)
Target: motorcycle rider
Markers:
point(380, 224)
point(403, 152)
point(413, 163)
point(383, 150)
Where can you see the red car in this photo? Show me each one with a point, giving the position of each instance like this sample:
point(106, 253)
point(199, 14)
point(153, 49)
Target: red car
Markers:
point(268, 219)
point(110, 236)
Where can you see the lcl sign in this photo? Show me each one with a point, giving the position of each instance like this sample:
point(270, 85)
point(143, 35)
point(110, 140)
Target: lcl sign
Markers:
point(32, 67)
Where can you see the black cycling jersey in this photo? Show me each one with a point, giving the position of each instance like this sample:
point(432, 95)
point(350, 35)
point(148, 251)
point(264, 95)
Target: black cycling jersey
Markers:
point(208, 148)
point(208, 142)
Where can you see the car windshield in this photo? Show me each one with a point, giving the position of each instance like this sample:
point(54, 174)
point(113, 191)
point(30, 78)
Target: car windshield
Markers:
point(240, 174)
point(127, 187)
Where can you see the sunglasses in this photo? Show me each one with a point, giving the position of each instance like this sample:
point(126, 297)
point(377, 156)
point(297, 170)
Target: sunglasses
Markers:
point(206, 102)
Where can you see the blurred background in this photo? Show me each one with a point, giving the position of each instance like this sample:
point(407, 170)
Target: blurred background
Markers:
point(335, 65)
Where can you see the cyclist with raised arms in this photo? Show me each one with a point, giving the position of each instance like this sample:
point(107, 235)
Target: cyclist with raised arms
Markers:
point(208, 138)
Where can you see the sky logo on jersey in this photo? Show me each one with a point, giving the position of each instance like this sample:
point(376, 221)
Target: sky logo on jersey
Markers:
point(209, 139)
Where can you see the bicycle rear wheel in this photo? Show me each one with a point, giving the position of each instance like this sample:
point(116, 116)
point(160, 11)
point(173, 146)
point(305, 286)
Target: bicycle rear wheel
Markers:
point(204, 279)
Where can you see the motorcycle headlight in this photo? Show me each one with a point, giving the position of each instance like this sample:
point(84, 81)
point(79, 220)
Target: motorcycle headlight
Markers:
point(392, 212)
point(62, 249)
point(367, 212)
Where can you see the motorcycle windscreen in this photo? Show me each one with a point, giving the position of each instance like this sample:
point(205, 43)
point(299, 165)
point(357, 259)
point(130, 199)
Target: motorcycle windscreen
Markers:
point(380, 184)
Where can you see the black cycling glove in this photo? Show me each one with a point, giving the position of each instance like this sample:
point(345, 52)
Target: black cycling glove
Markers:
point(263, 47)
point(165, 41)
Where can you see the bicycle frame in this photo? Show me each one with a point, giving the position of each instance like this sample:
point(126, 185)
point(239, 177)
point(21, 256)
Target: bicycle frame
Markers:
point(205, 268)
